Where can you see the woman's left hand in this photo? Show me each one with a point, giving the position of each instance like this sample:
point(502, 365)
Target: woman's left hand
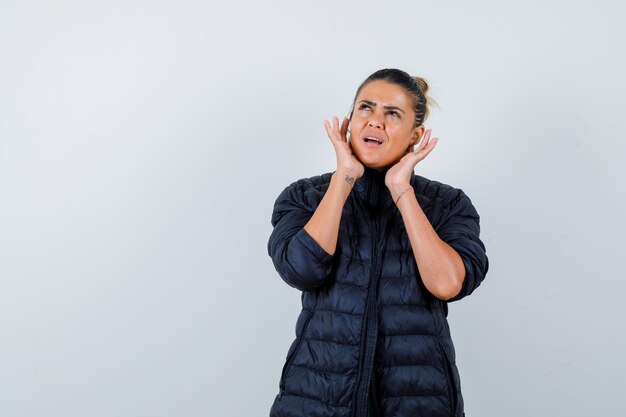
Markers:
point(398, 177)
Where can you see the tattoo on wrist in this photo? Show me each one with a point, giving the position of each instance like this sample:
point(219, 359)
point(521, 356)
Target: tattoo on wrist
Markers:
point(349, 179)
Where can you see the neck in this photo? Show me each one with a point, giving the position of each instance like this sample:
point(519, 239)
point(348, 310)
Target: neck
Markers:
point(372, 184)
point(375, 174)
point(376, 171)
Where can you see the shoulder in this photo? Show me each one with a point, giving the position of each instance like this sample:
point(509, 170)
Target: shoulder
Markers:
point(306, 192)
point(439, 195)
point(316, 182)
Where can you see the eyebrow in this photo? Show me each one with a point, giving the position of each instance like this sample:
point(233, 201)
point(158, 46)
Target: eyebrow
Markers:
point(371, 103)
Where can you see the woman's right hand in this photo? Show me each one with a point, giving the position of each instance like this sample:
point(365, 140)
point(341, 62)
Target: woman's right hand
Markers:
point(347, 162)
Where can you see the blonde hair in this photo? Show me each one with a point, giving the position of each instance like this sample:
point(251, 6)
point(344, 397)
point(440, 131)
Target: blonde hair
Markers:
point(423, 85)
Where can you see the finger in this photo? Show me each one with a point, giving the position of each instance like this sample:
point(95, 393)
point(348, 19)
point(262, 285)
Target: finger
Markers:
point(424, 140)
point(344, 129)
point(431, 145)
point(329, 132)
point(336, 126)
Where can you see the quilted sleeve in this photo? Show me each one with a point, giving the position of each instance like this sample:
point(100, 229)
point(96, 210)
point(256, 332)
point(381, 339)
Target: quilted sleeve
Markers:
point(300, 261)
point(461, 230)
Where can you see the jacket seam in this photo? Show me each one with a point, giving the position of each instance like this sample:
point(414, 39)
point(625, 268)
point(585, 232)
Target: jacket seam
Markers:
point(350, 284)
point(297, 394)
point(339, 312)
point(330, 341)
point(409, 364)
point(320, 370)
point(406, 305)
point(386, 397)
point(411, 334)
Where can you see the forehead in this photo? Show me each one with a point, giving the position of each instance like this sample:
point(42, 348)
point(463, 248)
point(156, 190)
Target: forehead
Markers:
point(384, 93)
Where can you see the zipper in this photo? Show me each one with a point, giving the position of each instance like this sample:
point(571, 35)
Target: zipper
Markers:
point(360, 406)
point(291, 357)
point(361, 367)
point(375, 396)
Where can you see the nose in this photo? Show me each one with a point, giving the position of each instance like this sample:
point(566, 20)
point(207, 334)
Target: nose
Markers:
point(374, 121)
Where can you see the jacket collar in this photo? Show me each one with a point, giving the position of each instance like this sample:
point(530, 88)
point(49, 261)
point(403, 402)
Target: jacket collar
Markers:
point(371, 188)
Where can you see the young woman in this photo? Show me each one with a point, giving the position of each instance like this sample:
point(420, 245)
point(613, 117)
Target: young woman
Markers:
point(378, 252)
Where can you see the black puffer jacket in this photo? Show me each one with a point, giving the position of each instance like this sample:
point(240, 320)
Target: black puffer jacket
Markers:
point(368, 324)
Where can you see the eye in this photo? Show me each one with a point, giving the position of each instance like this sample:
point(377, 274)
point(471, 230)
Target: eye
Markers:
point(363, 106)
point(395, 113)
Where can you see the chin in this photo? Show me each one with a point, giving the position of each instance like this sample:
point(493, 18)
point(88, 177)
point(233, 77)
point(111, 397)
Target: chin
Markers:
point(372, 160)
point(374, 165)
point(369, 160)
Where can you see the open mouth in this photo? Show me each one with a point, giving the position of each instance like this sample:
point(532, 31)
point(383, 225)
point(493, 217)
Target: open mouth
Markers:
point(372, 142)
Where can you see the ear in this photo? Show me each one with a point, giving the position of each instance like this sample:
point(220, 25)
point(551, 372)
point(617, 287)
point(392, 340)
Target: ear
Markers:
point(418, 132)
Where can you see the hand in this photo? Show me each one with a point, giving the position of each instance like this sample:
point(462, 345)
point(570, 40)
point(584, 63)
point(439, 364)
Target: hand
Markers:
point(347, 162)
point(398, 177)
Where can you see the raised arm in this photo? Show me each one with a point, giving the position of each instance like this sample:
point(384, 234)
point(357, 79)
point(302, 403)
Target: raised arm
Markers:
point(324, 225)
point(304, 240)
point(451, 261)
point(440, 266)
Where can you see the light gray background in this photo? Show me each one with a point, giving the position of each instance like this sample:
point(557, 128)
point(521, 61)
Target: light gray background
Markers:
point(143, 144)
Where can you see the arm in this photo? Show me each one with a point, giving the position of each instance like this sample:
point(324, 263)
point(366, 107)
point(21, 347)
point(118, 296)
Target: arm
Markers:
point(324, 224)
point(303, 244)
point(440, 266)
point(300, 260)
point(452, 260)
point(461, 230)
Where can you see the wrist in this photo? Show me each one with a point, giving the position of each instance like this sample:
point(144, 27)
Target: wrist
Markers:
point(345, 177)
point(343, 182)
point(397, 192)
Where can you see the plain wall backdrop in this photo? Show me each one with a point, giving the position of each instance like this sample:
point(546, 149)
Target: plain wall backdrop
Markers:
point(143, 144)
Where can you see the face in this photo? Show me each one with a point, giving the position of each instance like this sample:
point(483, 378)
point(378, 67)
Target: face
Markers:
point(383, 111)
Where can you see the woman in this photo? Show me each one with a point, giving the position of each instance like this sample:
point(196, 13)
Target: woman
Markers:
point(377, 252)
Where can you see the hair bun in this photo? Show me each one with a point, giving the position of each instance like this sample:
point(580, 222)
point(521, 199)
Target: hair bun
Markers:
point(423, 85)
